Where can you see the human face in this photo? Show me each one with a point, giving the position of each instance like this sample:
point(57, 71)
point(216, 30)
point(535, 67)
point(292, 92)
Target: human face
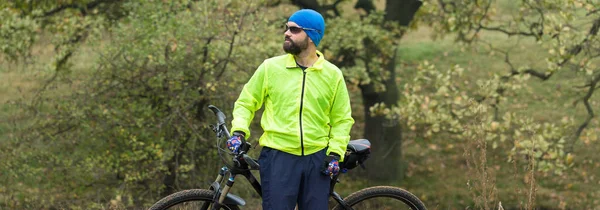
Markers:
point(296, 39)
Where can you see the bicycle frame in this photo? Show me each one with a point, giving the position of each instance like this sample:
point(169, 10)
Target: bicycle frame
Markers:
point(224, 197)
point(243, 166)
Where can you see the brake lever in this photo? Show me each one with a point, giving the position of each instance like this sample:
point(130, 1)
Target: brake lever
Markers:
point(219, 135)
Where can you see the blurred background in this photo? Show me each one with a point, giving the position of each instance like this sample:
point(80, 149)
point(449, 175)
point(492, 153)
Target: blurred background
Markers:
point(469, 104)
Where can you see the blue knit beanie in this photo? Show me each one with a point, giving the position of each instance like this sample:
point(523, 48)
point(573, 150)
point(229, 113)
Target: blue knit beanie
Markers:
point(308, 18)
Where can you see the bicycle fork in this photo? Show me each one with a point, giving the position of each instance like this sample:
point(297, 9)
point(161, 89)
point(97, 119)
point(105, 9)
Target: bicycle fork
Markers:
point(215, 187)
point(225, 191)
point(223, 197)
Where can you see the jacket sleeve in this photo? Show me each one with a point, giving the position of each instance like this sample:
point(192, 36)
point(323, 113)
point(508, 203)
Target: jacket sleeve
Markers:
point(340, 120)
point(251, 99)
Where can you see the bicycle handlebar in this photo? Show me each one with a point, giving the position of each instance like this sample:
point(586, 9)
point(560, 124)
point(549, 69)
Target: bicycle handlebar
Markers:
point(221, 131)
point(220, 115)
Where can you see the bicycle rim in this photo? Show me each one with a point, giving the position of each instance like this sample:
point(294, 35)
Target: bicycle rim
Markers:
point(188, 200)
point(383, 198)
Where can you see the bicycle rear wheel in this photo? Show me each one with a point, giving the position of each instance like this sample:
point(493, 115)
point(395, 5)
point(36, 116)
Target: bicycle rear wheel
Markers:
point(189, 199)
point(383, 197)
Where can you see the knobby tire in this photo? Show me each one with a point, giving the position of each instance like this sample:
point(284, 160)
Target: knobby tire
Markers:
point(402, 195)
point(187, 196)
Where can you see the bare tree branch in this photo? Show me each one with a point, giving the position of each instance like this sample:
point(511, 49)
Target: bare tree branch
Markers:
point(592, 12)
point(533, 72)
point(592, 87)
point(572, 52)
point(483, 17)
point(509, 33)
point(205, 55)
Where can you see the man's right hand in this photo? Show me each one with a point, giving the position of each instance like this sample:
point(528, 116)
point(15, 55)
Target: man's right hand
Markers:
point(235, 142)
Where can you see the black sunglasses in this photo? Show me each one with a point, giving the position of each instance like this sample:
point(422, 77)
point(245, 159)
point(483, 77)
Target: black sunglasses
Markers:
point(297, 29)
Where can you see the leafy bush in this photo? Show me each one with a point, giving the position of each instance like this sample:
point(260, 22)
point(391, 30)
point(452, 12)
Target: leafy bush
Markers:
point(137, 128)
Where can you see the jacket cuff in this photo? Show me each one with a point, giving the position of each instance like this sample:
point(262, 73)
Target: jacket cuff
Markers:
point(245, 131)
point(337, 150)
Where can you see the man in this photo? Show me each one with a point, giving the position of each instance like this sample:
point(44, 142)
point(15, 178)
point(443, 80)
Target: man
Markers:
point(306, 121)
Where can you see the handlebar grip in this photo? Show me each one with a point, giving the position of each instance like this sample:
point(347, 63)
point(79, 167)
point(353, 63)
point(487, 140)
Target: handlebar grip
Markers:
point(251, 162)
point(219, 113)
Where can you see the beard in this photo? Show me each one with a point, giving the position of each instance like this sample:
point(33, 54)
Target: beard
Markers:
point(293, 47)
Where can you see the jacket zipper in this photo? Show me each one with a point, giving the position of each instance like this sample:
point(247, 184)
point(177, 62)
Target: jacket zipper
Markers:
point(302, 102)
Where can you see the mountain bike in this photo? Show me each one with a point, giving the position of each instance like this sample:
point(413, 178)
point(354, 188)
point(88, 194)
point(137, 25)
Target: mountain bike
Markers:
point(218, 196)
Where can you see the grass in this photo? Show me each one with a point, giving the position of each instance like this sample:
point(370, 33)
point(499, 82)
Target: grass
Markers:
point(15, 86)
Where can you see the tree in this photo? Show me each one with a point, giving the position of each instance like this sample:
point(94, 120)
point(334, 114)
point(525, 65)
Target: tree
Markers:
point(567, 30)
point(70, 22)
point(563, 36)
point(136, 128)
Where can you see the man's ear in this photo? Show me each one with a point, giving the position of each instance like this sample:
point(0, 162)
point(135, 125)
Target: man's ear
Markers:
point(311, 41)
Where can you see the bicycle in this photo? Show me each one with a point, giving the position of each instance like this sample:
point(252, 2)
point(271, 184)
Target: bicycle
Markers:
point(219, 198)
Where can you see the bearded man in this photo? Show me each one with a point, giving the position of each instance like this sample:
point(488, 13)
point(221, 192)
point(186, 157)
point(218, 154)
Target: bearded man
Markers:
point(306, 121)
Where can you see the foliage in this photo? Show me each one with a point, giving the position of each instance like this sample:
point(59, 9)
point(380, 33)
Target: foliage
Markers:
point(139, 122)
point(366, 68)
point(566, 29)
point(435, 105)
point(18, 34)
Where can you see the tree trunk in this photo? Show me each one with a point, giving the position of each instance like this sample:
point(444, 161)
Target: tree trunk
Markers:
point(401, 11)
point(386, 135)
point(169, 179)
point(172, 164)
point(308, 4)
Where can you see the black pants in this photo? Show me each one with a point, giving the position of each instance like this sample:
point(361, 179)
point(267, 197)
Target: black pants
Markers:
point(288, 180)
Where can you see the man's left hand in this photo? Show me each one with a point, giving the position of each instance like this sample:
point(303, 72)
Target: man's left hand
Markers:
point(331, 165)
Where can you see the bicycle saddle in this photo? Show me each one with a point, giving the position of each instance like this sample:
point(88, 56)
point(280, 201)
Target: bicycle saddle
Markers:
point(359, 145)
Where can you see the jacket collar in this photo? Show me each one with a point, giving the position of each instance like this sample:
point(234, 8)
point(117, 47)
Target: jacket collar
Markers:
point(318, 65)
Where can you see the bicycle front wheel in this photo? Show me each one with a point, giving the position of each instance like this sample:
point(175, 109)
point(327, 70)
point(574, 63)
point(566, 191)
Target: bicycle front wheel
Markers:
point(383, 197)
point(189, 199)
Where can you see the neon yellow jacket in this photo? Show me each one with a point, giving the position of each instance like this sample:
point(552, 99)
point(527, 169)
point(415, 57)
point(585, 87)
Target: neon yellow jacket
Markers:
point(305, 111)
